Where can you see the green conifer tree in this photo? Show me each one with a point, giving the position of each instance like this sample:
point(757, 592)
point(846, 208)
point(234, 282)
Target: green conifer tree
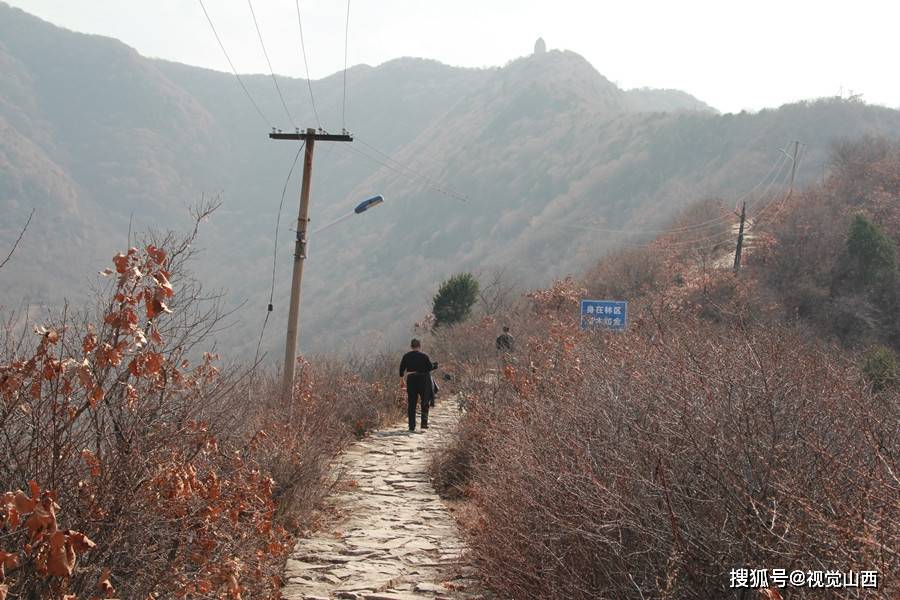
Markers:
point(454, 299)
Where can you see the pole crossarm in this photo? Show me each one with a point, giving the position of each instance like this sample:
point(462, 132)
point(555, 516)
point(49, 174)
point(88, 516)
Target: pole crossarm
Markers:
point(326, 137)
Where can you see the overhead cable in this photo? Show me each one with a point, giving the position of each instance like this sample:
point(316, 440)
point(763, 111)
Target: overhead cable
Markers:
point(231, 64)
point(269, 62)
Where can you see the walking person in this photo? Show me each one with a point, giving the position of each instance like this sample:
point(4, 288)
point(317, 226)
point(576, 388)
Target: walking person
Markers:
point(505, 340)
point(417, 367)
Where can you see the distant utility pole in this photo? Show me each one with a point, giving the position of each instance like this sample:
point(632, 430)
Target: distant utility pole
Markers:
point(740, 239)
point(793, 168)
point(290, 345)
point(793, 175)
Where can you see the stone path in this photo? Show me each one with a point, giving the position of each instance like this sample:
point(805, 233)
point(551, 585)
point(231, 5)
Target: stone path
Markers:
point(393, 538)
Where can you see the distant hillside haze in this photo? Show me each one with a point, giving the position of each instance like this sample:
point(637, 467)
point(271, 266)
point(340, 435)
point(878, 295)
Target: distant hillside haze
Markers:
point(546, 151)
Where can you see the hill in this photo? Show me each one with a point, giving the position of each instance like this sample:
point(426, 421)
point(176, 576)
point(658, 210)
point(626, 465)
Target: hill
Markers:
point(547, 151)
point(740, 418)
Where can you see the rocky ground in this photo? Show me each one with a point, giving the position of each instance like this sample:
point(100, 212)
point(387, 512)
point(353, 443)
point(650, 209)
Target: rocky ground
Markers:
point(392, 537)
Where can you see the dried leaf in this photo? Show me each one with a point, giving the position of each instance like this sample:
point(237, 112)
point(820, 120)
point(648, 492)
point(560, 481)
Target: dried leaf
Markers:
point(9, 560)
point(43, 519)
point(79, 541)
point(121, 262)
point(84, 375)
point(23, 503)
point(153, 362)
point(157, 254)
point(104, 585)
point(159, 306)
point(164, 286)
point(96, 395)
point(61, 559)
point(51, 368)
point(91, 460)
point(150, 304)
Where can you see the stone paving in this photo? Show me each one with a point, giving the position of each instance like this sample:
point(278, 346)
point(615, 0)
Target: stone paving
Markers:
point(392, 538)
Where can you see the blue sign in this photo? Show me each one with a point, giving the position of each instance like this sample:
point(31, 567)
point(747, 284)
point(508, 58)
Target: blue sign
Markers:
point(604, 314)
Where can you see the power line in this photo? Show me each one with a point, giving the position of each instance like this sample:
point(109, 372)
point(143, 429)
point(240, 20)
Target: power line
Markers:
point(346, 42)
point(231, 64)
point(271, 71)
point(410, 175)
point(771, 202)
point(756, 220)
point(715, 237)
point(778, 164)
point(275, 250)
point(707, 242)
point(312, 99)
point(402, 169)
point(278, 218)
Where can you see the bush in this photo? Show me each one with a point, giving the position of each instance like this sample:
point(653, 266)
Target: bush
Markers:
point(647, 465)
point(627, 274)
point(171, 476)
point(870, 252)
point(880, 367)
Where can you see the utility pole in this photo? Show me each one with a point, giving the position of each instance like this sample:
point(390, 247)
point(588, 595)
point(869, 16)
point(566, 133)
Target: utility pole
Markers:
point(290, 345)
point(793, 168)
point(740, 239)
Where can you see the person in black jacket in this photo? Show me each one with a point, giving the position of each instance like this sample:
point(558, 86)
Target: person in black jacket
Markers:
point(505, 340)
point(417, 367)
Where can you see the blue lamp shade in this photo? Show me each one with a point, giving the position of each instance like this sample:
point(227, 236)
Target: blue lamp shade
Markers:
point(367, 204)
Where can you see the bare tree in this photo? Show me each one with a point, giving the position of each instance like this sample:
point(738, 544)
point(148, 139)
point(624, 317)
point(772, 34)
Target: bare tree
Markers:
point(496, 293)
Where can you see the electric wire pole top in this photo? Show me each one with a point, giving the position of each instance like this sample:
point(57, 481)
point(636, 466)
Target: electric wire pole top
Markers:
point(290, 346)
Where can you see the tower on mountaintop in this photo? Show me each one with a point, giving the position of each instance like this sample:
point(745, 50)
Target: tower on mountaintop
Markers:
point(540, 46)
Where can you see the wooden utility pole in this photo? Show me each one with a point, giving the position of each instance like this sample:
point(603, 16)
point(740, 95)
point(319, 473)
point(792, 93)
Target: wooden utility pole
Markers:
point(740, 239)
point(290, 345)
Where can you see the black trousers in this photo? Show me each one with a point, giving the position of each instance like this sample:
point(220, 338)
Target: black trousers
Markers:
point(418, 388)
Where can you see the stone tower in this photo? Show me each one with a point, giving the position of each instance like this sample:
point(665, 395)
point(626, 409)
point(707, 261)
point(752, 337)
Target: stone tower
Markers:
point(540, 46)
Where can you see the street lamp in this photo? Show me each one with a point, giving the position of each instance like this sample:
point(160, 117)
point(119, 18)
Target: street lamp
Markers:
point(290, 345)
point(360, 208)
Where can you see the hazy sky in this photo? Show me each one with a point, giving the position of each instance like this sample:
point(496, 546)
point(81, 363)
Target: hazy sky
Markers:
point(733, 55)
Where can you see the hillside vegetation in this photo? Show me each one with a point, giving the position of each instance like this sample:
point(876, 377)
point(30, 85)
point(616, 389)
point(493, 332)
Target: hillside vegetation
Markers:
point(547, 150)
point(138, 465)
point(743, 421)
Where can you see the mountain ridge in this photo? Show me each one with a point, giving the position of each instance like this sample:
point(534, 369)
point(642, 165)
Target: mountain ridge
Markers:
point(546, 149)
